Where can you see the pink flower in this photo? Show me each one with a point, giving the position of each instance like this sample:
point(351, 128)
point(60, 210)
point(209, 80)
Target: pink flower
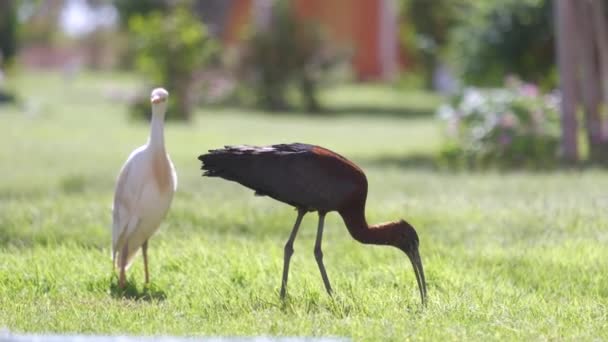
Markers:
point(453, 127)
point(538, 116)
point(529, 90)
point(512, 81)
point(507, 120)
point(504, 139)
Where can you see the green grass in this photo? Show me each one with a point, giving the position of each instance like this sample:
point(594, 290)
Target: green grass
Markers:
point(508, 256)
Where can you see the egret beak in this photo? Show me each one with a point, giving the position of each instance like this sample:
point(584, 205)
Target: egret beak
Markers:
point(156, 99)
point(414, 257)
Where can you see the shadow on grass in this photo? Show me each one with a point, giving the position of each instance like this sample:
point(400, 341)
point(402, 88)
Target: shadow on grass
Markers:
point(368, 111)
point(428, 162)
point(410, 161)
point(149, 292)
point(376, 111)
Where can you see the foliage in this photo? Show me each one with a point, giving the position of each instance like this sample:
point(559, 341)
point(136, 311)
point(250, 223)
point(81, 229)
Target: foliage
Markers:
point(288, 52)
point(425, 32)
point(8, 47)
point(483, 41)
point(515, 126)
point(496, 38)
point(41, 21)
point(129, 9)
point(8, 32)
point(172, 49)
point(508, 256)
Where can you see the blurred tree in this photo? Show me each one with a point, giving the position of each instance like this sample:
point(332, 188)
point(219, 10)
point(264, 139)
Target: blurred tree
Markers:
point(41, 21)
point(214, 13)
point(566, 28)
point(8, 44)
point(496, 38)
point(211, 12)
point(8, 32)
point(171, 50)
point(284, 52)
point(101, 41)
point(129, 9)
point(425, 30)
point(582, 31)
point(484, 41)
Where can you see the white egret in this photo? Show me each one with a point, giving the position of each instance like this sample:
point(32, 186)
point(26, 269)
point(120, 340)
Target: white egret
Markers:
point(144, 191)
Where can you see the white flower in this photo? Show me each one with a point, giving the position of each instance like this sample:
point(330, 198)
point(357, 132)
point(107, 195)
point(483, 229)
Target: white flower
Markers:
point(472, 99)
point(446, 112)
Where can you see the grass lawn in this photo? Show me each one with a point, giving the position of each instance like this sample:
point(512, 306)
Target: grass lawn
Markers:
point(508, 256)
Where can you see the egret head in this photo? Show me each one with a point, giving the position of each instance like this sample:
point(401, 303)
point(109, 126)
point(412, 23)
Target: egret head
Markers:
point(159, 95)
point(158, 98)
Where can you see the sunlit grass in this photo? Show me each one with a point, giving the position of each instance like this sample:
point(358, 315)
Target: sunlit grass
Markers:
point(514, 256)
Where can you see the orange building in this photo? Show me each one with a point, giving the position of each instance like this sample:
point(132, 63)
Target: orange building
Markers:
point(369, 27)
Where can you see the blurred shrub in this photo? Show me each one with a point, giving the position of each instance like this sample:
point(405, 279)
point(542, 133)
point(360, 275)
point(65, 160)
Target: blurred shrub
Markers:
point(129, 8)
point(8, 46)
point(425, 32)
point(41, 22)
point(8, 32)
point(510, 127)
point(288, 52)
point(483, 41)
point(171, 50)
point(73, 183)
point(496, 38)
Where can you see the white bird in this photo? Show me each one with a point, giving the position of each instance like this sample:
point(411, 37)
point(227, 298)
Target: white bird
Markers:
point(144, 191)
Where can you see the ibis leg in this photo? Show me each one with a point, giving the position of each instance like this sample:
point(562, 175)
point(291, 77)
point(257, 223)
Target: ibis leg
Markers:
point(289, 251)
point(123, 265)
point(144, 252)
point(319, 253)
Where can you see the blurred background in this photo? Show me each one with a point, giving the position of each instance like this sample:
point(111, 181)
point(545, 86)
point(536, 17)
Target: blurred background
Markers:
point(485, 73)
point(482, 123)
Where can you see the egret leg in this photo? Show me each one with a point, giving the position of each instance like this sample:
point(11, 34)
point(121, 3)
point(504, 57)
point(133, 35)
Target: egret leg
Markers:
point(144, 252)
point(289, 251)
point(319, 253)
point(123, 265)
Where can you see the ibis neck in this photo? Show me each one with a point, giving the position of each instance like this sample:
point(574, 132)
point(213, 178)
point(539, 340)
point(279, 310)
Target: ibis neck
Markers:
point(379, 234)
point(157, 135)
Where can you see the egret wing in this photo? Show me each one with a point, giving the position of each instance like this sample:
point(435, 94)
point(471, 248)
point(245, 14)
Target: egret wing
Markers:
point(124, 217)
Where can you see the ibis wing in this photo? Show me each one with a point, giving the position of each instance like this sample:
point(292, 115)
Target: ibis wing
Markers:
point(297, 177)
point(307, 181)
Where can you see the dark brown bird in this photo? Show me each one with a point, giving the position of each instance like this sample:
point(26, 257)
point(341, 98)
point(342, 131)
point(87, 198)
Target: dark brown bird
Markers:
point(312, 178)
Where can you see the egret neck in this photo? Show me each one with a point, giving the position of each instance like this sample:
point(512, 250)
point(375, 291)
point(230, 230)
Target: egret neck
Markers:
point(157, 137)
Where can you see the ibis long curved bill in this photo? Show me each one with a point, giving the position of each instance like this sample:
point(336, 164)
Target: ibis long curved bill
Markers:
point(414, 257)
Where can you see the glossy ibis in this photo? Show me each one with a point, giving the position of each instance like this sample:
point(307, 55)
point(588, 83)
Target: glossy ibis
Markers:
point(144, 191)
point(312, 178)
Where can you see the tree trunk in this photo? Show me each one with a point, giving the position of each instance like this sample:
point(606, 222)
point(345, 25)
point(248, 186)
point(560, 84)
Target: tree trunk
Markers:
point(308, 89)
point(590, 79)
point(566, 28)
point(600, 23)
